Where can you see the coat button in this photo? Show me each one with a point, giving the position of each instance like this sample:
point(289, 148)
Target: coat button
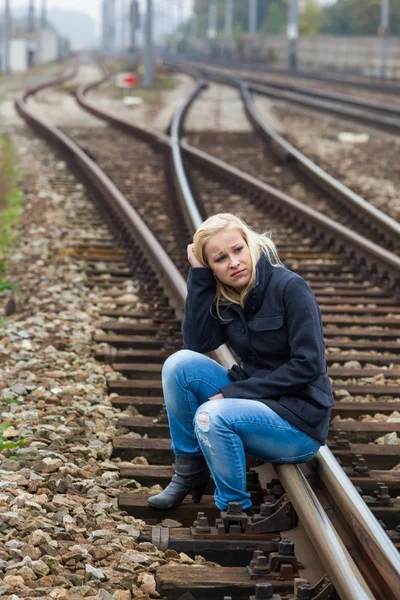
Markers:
point(244, 330)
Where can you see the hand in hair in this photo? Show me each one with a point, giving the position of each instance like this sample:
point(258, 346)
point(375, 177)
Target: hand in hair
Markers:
point(192, 258)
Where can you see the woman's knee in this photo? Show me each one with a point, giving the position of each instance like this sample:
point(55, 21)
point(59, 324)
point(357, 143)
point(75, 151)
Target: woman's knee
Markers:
point(176, 362)
point(211, 413)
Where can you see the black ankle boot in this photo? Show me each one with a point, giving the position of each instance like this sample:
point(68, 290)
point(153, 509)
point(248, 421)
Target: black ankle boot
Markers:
point(191, 475)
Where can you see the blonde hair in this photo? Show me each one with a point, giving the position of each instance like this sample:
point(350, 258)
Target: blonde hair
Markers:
point(258, 243)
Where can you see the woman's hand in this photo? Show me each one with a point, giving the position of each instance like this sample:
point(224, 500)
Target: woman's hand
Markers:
point(192, 258)
point(216, 397)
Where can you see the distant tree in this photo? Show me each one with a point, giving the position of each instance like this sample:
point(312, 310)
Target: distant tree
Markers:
point(271, 16)
point(312, 18)
point(352, 17)
point(276, 18)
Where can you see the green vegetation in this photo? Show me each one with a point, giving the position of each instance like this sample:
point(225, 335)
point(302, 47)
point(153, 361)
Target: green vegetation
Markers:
point(5, 444)
point(10, 207)
point(343, 17)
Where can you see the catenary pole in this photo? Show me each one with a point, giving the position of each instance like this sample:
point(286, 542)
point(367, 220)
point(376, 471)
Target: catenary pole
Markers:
point(43, 15)
point(228, 19)
point(193, 29)
point(148, 46)
point(6, 38)
point(108, 26)
point(31, 16)
point(193, 23)
point(384, 31)
point(212, 19)
point(293, 33)
point(252, 17)
point(133, 24)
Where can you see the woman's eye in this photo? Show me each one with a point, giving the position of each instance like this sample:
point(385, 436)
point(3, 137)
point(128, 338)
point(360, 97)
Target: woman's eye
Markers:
point(238, 249)
point(221, 258)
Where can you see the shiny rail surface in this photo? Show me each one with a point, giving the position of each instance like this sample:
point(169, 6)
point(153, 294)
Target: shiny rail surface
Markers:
point(126, 217)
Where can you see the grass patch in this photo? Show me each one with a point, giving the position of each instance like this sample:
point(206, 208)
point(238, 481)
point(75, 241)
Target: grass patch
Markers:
point(10, 207)
point(4, 444)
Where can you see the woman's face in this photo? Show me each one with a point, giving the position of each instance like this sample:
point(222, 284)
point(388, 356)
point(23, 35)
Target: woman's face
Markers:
point(229, 257)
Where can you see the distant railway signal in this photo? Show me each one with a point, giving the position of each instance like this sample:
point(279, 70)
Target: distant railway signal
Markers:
point(125, 80)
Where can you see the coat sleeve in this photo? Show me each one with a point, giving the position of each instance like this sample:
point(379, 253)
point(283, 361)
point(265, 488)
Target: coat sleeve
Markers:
point(307, 350)
point(201, 331)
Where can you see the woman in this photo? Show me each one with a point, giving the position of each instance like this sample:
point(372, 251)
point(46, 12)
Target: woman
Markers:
point(276, 403)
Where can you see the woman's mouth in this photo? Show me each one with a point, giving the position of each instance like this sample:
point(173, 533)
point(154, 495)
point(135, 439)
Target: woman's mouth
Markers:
point(238, 273)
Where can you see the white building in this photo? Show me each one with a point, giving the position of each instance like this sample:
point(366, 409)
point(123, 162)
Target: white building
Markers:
point(47, 47)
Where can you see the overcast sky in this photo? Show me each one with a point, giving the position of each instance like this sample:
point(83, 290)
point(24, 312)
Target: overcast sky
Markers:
point(93, 7)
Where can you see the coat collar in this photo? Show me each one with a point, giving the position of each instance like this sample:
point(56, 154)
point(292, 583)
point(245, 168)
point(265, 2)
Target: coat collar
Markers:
point(264, 271)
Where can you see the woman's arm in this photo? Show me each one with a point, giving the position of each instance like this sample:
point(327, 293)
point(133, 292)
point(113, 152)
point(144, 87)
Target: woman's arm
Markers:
point(201, 331)
point(307, 360)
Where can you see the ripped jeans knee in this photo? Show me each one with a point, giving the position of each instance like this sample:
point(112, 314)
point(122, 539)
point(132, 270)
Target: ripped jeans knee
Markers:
point(202, 427)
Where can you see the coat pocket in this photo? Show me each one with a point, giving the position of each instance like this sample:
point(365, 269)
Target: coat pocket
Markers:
point(266, 323)
point(310, 411)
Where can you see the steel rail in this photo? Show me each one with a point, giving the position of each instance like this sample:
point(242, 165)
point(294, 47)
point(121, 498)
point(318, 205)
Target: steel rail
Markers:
point(360, 207)
point(375, 543)
point(122, 210)
point(371, 536)
point(332, 78)
point(349, 110)
point(384, 263)
point(390, 124)
point(315, 92)
point(187, 202)
point(325, 181)
point(352, 588)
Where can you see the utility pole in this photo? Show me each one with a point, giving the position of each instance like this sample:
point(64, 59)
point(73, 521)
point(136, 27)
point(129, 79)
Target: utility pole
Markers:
point(43, 17)
point(31, 16)
point(6, 38)
point(384, 32)
point(108, 26)
point(193, 23)
point(212, 19)
point(228, 19)
point(134, 13)
point(148, 46)
point(252, 17)
point(293, 33)
point(212, 25)
point(125, 33)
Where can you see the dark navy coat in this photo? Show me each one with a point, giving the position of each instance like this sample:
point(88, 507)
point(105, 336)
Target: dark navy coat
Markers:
point(278, 338)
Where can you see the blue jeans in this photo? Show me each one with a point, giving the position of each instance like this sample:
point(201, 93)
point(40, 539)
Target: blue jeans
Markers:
point(223, 430)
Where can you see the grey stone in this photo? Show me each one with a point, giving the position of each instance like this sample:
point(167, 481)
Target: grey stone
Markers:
point(19, 389)
point(95, 573)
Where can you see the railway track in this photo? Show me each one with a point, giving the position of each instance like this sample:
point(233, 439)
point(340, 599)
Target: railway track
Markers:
point(375, 114)
point(282, 165)
point(349, 85)
point(131, 346)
